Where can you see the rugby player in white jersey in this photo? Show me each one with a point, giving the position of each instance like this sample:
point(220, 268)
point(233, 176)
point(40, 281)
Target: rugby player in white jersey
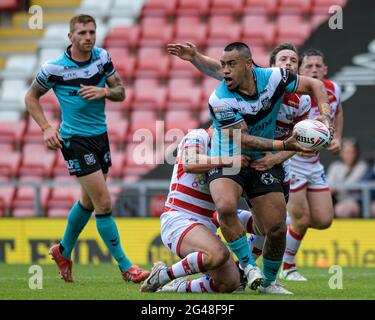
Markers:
point(310, 202)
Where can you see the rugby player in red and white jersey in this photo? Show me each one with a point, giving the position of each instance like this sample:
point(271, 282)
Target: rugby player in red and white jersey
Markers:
point(310, 203)
point(187, 229)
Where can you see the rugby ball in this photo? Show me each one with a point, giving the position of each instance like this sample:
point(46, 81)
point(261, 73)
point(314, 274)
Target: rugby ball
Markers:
point(312, 134)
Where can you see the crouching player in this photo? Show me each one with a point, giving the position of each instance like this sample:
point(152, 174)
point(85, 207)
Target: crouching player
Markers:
point(187, 228)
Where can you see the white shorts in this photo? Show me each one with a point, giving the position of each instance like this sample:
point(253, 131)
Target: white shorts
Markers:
point(286, 166)
point(307, 175)
point(176, 224)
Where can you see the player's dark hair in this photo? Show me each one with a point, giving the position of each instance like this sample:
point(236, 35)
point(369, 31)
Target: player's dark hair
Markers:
point(81, 18)
point(241, 47)
point(281, 47)
point(310, 53)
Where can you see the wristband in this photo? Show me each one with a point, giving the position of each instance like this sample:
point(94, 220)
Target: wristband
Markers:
point(278, 145)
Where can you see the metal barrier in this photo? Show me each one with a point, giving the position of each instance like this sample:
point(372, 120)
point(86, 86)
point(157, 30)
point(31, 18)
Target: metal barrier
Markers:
point(139, 193)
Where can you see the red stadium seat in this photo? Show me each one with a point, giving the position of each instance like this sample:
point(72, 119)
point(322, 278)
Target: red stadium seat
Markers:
point(260, 7)
point(223, 30)
point(156, 32)
point(193, 7)
point(295, 6)
point(11, 132)
point(37, 163)
point(7, 194)
point(183, 94)
point(291, 28)
point(123, 106)
point(9, 4)
point(159, 8)
point(118, 159)
point(190, 28)
point(138, 161)
point(317, 19)
point(60, 168)
point(149, 95)
point(153, 66)
point(180, 119)
point(232, 7)
point(209, 85)
point(204, 116)
point(183, 69)
point(257, 30)
point(322, 6)
point(117, 131)
point(10, 163)
point(123, 37)
point(123, 62)
point(214, 51)
point(142, 123)
point(24, 201)
point(63, 198)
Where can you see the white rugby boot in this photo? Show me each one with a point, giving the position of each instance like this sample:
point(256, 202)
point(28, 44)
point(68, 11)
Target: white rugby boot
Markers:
point(254, 276)
point(177, 285)
point(291, 275)
point(153, 282)
point(274, 288)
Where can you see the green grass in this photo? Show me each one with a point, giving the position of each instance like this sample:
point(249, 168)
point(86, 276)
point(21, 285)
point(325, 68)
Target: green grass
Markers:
point(104, 282)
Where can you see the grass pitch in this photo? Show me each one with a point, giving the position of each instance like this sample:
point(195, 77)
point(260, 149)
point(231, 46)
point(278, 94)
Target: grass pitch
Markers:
point(104, 282)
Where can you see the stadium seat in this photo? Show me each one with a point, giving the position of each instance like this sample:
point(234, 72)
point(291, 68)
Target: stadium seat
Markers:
point(204, 116)
point(214, 51)
point(19, 67)
point(123, 37)
point(9, 163)
point(13, 91)
point(152, 65)
point(121, 8)
point(223, 30)
point(292, 29)
point(183, 69)
point(10, 116)
point(322, 6)
point(24, 201)
point(62, 198)
point(156, 32)
point(117, 131)
point(11, 132)
point(257, 30)
point(37, 163)
point(192, 29)
point(149, 95)
point(295, 6)
point(123, 62)
point(224, 7)
point(183, 94)
point(142, 123)
point(123, 106)
point(208, 85)
point(139, 159)
point(317, 19)
point(9, 4)
point(180, 119)
point(33, 132)
point(7, 194)
point(60, 168)
point(49, 101)
point(159, 8)
point(260, 7)
point(118, 160)
point(193, 7)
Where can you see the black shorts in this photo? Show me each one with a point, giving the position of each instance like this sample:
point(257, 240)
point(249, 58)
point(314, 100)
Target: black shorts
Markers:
point(85, 155)
point(254, 183)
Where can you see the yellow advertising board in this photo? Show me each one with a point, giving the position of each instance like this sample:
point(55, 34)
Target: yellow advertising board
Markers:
point(345, 243)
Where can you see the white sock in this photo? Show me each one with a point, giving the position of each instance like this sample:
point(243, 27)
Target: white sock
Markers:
point(293, 242)
point(202, 284)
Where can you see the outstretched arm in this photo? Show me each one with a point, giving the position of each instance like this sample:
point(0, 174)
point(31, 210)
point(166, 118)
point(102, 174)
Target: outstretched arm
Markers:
point(204, 64)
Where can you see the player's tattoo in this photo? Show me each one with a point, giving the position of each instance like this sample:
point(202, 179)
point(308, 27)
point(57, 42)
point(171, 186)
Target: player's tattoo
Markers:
point(116, 91)
point(37, 89)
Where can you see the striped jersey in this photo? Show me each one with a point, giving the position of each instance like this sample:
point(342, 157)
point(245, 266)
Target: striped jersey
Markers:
point(294, 108)
point(80, 117)
point(260, 111)
point(334, 96)
point(189, 192)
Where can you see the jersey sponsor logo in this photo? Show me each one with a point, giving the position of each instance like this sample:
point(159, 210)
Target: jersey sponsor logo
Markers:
point(267, 178)
point(100, 68)
point(69, 76)
point(223, 113)
point(266, 103)
point(89, 159)
point(73, 165)
point(260, 127)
